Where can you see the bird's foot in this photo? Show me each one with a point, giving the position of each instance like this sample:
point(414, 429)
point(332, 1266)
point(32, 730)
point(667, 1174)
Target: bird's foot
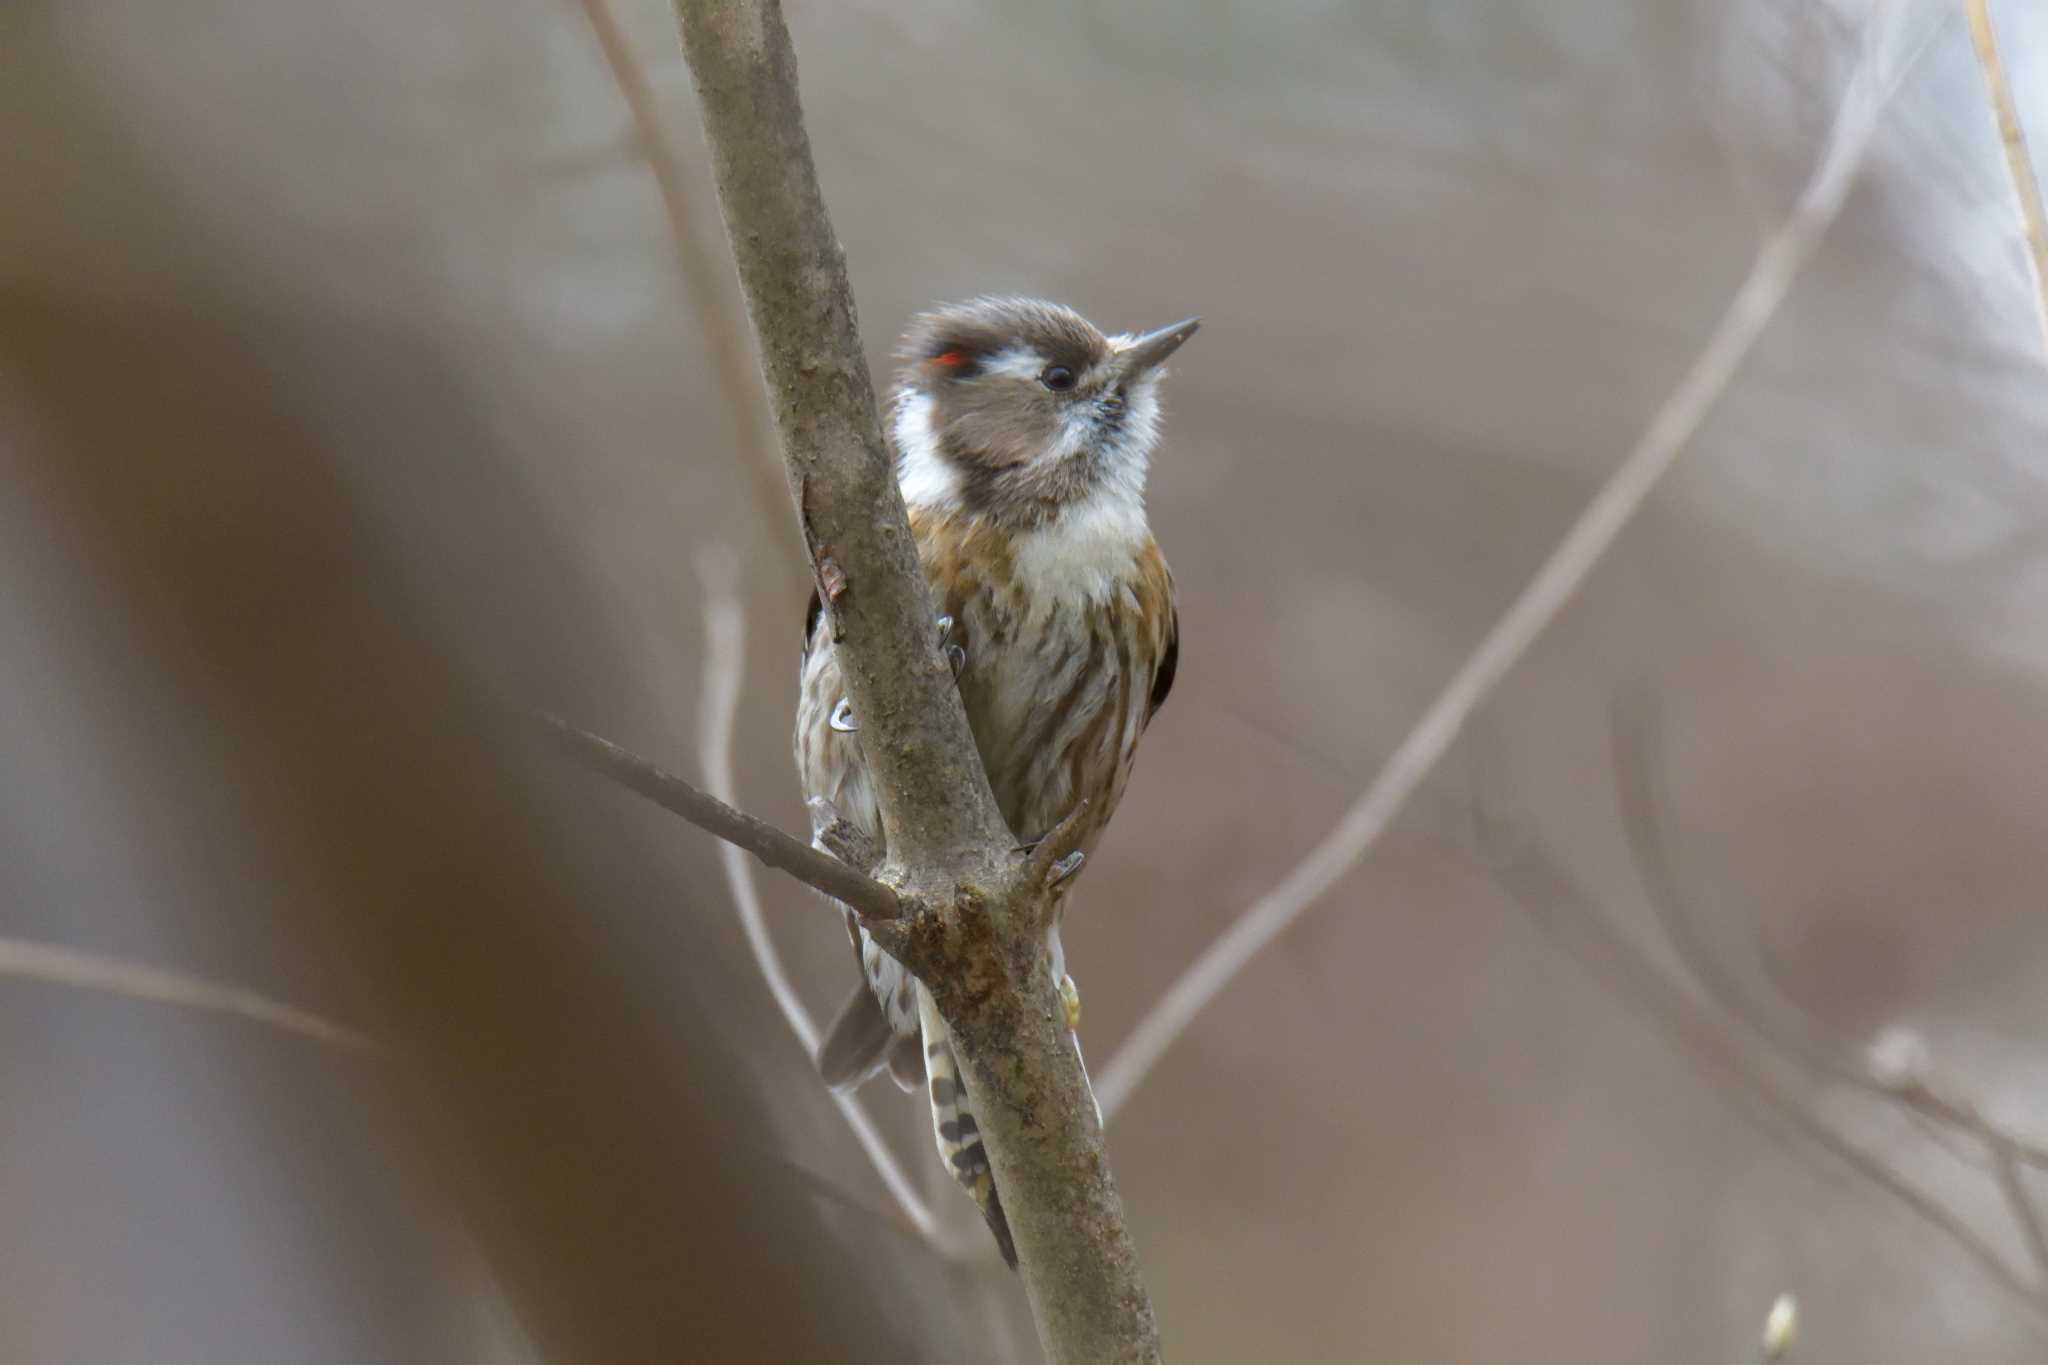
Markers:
point(841, 838)
point(1070, 1003)
point(955, 652)
point(956, 659)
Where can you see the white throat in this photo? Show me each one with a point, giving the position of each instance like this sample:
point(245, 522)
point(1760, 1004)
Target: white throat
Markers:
point(1089, 551)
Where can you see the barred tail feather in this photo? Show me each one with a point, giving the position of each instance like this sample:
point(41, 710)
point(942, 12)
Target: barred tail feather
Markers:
point(959, 1136)
point(868, 1035)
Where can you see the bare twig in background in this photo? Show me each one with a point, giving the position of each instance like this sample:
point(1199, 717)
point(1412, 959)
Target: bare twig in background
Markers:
point(502, 1338)
point(2013, 1186)
point(1897, 1068)
point(1640, 797)
point(724, 665)
point(58, 965)
point(1776, 267)
point(781, 851)
point(1925, 1096)
point(2012, 139)
point(723, 327)
point(717, 713)
point(893, 1219)
point(64, 966)
point(1564, 910)
point(1781, 1329)
point(1638, 790)
point(371, 813)
point(976, 937)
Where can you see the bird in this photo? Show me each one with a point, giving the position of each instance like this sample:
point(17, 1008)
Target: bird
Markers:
point(1022, 436)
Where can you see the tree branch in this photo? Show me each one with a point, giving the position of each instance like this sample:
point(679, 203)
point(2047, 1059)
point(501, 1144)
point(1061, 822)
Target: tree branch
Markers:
point(939, 812)
point(786, 853)
point(974, 934)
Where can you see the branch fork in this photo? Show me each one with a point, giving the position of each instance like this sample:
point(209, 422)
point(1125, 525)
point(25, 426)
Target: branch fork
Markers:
point(978, 940)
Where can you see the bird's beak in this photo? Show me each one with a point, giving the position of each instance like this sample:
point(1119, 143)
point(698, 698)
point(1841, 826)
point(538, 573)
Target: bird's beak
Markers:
point(1149, 351)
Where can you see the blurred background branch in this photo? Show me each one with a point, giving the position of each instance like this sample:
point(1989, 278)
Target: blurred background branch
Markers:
point(718, 317)
point(1546, 594)
point(1567, 914)
point(451, 902)
point(57, 965)
point(357, 390)
point(1894, 1066)
point(2019, 164)
point(718, 709)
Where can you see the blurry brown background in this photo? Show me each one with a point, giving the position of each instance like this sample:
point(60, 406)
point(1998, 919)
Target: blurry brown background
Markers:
point(350, 388)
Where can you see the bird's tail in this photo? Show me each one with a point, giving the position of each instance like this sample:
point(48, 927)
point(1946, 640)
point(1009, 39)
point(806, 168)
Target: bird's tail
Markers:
point(953, 1124)
point(865, 1036)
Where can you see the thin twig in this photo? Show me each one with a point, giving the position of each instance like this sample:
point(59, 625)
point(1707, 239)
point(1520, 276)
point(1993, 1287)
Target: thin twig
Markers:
point(1536, 884)
point(739, 382)
point(1927, 1098)
point(64, 966)
point(717, 714)
point(1541, 887)
point(1776, 267)
point(502, 1332)
point(1904, 1078)
point(724, 667)
point(1640, 792)
point(896, 1219)
point(56, 964)
point(2012, 139)
point(1640, 797)
point(2013, 1185)
point(784, 852)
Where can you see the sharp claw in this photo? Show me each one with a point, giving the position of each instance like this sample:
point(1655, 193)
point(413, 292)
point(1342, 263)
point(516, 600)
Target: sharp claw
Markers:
point(1068, 866)
point(842, 717)
point(956, 654)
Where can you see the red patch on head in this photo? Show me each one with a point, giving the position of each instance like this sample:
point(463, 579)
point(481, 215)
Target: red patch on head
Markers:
point(950, 358)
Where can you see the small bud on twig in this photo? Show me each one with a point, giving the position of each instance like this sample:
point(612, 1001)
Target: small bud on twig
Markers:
point(1781, 1328)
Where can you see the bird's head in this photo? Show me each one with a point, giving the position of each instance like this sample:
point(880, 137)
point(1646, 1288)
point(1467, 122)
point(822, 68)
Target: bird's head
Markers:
point(1018, 410)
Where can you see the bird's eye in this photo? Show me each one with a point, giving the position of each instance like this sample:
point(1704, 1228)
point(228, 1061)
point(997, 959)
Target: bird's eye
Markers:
point(1058, 378)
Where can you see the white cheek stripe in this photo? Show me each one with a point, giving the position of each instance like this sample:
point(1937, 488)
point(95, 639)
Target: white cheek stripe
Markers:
point(929, 480)
point(923, 473)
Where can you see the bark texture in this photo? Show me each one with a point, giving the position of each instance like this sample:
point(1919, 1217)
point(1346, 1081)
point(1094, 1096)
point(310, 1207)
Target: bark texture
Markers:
point(975, 908)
